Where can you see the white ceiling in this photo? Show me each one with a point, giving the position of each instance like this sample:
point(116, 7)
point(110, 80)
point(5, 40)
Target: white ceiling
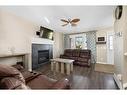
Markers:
point(91, 17)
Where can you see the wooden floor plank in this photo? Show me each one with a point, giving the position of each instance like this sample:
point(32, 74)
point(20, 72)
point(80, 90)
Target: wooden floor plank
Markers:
point(82, 77)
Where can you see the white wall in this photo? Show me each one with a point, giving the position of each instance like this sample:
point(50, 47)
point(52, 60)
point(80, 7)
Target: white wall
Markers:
point(58, 44)
point(102, 48)
point(18, 34)
point(120, 26)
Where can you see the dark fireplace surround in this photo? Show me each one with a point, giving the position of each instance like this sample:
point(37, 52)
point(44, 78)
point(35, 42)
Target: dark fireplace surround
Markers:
point(41, 54)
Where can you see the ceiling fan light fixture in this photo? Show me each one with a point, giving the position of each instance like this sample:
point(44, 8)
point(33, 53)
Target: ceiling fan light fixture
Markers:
point(70, 22)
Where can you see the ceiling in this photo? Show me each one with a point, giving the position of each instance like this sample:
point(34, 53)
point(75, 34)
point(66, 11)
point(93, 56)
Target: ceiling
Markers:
point(91, 17)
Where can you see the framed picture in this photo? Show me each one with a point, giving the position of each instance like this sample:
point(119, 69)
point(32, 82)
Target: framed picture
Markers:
point(101, 38)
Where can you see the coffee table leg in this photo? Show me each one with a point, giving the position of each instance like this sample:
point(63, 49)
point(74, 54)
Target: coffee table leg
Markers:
point(57, 67)
point(52, 66)
point(68, 69)
point(62, 68)
point(71, 66)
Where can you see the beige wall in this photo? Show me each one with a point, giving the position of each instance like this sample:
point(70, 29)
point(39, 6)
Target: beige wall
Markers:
point(121, 46)
point(17, 33)
point(58, 44)
point(125, 46)
point(102, 48)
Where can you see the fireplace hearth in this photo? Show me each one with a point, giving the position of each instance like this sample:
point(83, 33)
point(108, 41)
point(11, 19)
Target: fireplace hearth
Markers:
point(41, 54)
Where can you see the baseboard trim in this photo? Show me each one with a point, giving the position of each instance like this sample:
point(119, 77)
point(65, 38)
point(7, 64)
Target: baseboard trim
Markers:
point(119, 84)
point(101, 63)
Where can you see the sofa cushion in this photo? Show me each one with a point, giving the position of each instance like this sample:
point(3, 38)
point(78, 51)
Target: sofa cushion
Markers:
point(83, 59)
point(68, 52)
point(65, 57)
point(75, 53)
point(85, 53)
point(9, 71)
point(41, 82)
point(60, 84)
point(81, 63)
point(12, 83)
point(73, 58)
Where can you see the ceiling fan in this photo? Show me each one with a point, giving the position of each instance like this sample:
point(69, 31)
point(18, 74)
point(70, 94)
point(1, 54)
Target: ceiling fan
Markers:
point(71, 22)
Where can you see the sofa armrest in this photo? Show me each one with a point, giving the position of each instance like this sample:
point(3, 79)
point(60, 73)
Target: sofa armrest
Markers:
point(18, 66)
point(89, 62)
point(62, 84)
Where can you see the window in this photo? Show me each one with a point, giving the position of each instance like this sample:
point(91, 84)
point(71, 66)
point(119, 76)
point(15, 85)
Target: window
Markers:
point(78, 42)
point(72, 43)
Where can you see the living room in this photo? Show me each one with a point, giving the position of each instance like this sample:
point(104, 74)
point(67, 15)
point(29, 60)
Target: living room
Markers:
point(82, 44)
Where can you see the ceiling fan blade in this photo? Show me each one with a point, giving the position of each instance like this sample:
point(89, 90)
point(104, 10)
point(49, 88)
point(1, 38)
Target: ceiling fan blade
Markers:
point(72, 24)
point(65, 24)
point(64, 20)
point(75, 20)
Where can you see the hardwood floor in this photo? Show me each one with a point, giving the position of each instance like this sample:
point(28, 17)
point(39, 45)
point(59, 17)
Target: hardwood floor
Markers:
point(82, 78)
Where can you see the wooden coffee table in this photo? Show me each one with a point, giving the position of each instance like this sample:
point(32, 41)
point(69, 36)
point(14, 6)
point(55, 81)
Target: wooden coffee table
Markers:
point(67, 63)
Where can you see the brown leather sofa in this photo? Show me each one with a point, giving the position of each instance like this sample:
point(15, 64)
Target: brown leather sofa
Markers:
point(17, 77)
point(82, 57)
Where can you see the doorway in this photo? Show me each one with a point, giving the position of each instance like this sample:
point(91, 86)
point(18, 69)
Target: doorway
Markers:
point(110, 48)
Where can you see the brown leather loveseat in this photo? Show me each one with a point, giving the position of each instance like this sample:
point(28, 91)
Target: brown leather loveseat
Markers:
point(17, 77)
point(82, 57)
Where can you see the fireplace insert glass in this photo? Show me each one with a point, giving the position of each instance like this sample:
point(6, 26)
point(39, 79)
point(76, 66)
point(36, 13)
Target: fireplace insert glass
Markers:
point(43, 56)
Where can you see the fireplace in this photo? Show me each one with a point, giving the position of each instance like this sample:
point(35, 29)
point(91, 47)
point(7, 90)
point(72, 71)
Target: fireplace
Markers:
point(41, 54)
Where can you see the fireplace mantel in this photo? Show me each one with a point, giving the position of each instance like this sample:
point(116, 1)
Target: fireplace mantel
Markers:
point(42, 41)
point(23, 55)
point(13, 55)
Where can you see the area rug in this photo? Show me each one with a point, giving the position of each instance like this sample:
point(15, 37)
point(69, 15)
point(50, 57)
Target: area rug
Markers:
point(105, 68)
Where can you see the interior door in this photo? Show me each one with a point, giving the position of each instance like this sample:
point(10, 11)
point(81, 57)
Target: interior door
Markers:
point(110, 48)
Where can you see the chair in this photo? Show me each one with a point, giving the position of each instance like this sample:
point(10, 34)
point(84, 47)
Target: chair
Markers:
point(17, 77)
